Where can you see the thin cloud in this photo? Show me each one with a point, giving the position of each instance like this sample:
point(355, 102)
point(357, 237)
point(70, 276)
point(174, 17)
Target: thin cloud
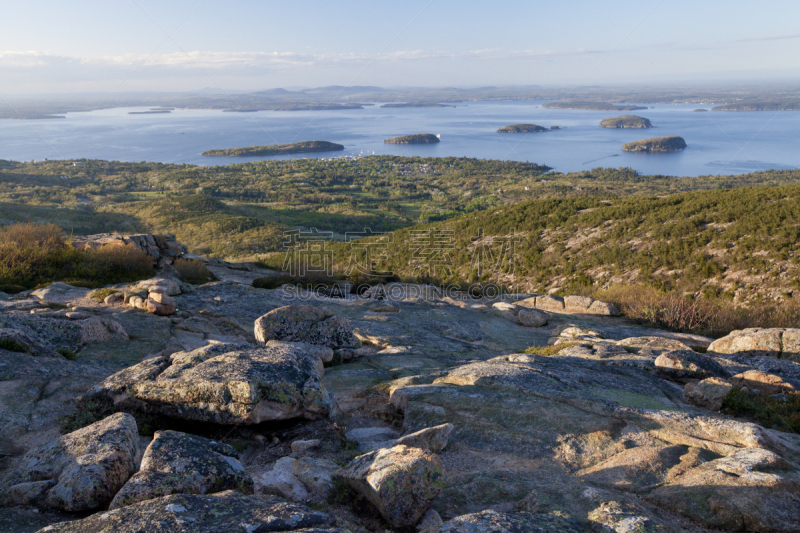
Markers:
point(772, 38)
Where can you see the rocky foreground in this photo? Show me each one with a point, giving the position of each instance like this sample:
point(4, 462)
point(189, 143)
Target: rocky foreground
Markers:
point(224, 408)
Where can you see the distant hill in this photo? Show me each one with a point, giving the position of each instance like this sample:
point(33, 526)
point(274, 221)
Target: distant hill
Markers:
point(745, 239)
point(626, 121)
point(521, 128)
point(759, 106)
point(592, 106)
point(419, 138)
point(656, 144)
point(278, 149)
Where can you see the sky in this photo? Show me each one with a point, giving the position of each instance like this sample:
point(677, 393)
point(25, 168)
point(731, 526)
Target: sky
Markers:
point(244, 45)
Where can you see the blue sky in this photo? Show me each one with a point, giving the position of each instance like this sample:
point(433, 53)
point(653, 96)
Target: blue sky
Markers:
point(49, 46)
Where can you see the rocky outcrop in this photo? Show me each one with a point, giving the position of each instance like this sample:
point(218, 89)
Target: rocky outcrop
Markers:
point(432, 440)
point(81, 471)
point(316, 474)
point(308, 324)
point(281, 481)
point(179, 463)
point(164, 249)
point(775, 342)
point(400, 482)
point(224, 384)
point(224, 512)
point(761, 381)
point(570, 305)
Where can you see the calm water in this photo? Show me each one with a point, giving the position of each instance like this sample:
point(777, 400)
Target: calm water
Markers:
point(719, 143)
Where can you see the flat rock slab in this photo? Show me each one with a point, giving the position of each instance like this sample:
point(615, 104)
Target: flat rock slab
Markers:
point(224, 384)
point(495, 522)
point(772, 342)
point(61, 293)
point(224, 512)
point(81, 471)
point(179, 463)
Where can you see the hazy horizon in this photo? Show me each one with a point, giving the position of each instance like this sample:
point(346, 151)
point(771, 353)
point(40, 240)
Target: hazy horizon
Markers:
point(144, 46)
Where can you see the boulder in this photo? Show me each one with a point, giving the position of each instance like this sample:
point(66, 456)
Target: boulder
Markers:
point(617, 517)
point(400, 482)
point(577, 304)
point(224, 512)
point(282, 482)
point(372, 438)
point(554, 304)
point(316, 474)
point(155, 307)
point(300, 447)
point(431, 522)
point(137, 302)
point(223, 384)
point(753, 341)
point(603, 308)
point(652, 343)
point(179, 463)
point(762, 381)
point(491, 521)
point(432, 439)
point(170, 286)
point(531, 318)
point(114, 298)
point(708, 393)
point(161, 297)
point(305, 323)
point(79, 472)
point(688, 364)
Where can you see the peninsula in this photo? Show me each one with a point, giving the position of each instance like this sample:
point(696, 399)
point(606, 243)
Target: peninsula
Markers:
point(592, 106)
point(759, 106)
point(419, 138)
point(656, 144)
point(522, 128)
point(414, 104)
point(627, 121)
point(278, 149)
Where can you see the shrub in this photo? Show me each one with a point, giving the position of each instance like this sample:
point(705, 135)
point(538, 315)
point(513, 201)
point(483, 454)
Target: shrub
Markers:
point(32, 255)
point(780, 412)
point(272, 282)
point(12, 346)
point(101, 294)
point(193, 271)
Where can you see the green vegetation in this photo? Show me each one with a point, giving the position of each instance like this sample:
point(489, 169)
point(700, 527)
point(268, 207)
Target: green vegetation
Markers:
point(592, 106)
point(419, 138)
point(278, 149)
point(101, 294)
point(32, 255)
point(626, 121)
point(192, 271)
point(656, 144)
point(521, 128)
point(549, 351)
point(12, 346)
point(781, 412)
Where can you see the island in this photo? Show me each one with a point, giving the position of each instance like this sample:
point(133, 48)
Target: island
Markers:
point(419, 138)
point(701, 110)
point(278, 149)
point(656, 144)
point(154, 111)
point(627, 121)
point(592, 106)
point(294, 107)
point(521, 128)
point(415, 104)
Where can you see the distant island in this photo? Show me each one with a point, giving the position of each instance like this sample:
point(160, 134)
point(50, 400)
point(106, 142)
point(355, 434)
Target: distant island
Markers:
point(420, 138)
point(627, 121)
point(701, 110)
point(295, 107)
point(592, 106)
point(154, 111)
point(656, 144)
point(521, 128)
point(759, 106)
point(278, 149)
point(416, 104)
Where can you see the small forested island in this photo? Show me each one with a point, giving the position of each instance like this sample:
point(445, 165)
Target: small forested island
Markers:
point(157, 111)
point(419, 138)
point(627, 121)
point(278, 149)
point(656, 144)
point(701, 110)
point(592, 106)
point(521, 128)
point(415, 104)
point(759, 106)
